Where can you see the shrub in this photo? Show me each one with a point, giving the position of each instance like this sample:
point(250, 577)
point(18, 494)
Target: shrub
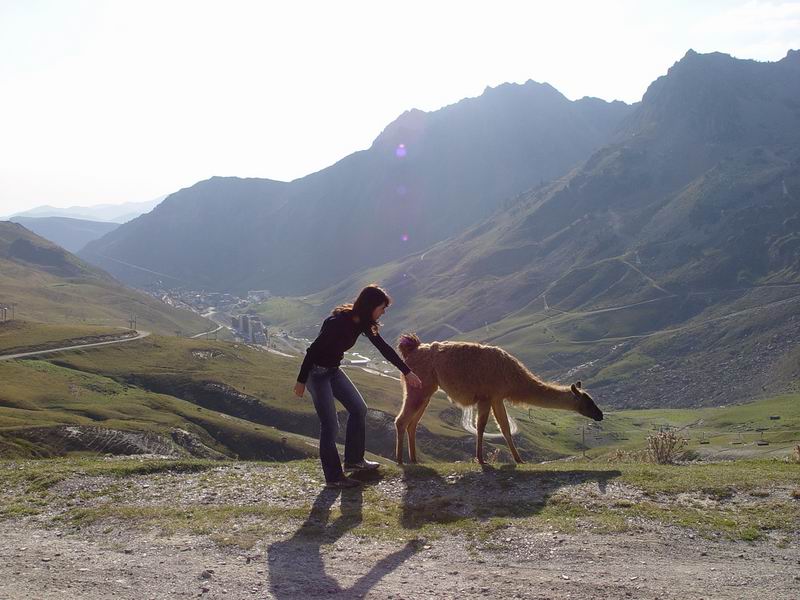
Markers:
point(664, 447)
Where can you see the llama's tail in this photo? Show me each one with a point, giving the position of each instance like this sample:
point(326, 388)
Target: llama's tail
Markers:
point(408, 343)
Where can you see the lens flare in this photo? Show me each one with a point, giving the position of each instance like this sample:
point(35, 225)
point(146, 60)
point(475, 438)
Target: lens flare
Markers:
point(404, 237)
point(400, 152)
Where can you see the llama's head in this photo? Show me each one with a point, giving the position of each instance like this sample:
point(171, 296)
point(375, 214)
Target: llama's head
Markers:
point(408, 343)
point(586, 405)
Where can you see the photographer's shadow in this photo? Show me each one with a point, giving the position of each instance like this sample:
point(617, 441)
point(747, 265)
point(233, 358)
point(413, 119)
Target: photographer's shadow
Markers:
point(296, 566)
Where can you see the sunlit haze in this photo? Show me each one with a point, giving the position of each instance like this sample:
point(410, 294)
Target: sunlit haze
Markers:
point(110, 102)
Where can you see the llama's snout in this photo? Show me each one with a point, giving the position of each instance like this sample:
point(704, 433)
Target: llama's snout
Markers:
point(590, 409)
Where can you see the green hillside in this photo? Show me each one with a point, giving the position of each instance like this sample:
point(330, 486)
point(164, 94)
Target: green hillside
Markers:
point(236, 399)
point(49, 285)
point(202, 398)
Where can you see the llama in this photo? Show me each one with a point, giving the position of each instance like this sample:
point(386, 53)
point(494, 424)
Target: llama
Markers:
point(480, 375)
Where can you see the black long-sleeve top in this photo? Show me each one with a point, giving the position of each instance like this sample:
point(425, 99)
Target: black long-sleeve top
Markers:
point(338, 334)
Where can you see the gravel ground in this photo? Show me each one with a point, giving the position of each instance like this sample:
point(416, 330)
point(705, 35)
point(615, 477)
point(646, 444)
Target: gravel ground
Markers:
point(323, 553)
point(48, 564)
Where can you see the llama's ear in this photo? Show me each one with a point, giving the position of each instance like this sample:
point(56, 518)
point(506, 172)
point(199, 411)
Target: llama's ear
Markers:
point(575, 390)
point(578, 384)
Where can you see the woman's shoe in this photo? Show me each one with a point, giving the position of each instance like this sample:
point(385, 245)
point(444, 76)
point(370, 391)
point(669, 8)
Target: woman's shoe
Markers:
point(344, 482)
point(364, 465)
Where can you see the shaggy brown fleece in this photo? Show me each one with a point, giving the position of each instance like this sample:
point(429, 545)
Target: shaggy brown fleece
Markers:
point(484, 376)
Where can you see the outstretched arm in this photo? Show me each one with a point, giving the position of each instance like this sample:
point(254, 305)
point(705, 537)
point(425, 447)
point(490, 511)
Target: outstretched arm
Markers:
point(389, 354)
point(387, 351)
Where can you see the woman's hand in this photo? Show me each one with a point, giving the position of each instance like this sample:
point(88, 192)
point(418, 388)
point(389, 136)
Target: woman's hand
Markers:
point(412, 379)
point(299, 388)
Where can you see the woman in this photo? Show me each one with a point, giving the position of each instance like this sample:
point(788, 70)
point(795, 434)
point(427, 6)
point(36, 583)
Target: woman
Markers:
point(320, 372)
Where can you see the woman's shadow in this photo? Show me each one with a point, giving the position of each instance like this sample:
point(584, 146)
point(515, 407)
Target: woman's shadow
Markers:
point(296, 567)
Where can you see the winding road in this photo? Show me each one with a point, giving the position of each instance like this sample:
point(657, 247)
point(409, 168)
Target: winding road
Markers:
point(138, 336)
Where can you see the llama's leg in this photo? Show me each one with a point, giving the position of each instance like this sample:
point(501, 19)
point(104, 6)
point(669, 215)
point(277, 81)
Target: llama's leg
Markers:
point(400, 425)
point(483, 406)
point(412, 430)
point(500, 414)
point(411, 403)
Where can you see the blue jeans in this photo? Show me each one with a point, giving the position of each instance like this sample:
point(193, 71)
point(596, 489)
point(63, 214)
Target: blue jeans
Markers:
point(324, 384)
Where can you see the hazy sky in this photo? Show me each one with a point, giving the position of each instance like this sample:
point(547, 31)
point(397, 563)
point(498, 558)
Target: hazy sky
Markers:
point(107, 102)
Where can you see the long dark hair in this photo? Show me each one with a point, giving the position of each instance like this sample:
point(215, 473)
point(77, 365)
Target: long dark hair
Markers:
point(368, 300)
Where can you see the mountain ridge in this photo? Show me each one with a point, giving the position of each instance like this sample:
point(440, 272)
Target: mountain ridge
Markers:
point(636, 260)
point(426, 176)
point(114, 213)
point(69, 233)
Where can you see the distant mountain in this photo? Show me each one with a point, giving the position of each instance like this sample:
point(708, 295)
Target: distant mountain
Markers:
point(70, 234)
point(50, 285)
point(664, 271)
point(427, 176)
point(112, 213)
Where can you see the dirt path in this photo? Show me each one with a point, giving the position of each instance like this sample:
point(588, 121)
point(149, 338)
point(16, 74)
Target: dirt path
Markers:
point(54, 564)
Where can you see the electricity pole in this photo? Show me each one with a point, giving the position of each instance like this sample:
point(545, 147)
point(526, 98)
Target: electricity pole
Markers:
point(583, 440)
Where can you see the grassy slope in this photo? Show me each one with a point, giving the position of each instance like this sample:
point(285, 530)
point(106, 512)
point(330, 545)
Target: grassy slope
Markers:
point(139, 385)
point(61, 289)
point(51, 299)
point(40, 394)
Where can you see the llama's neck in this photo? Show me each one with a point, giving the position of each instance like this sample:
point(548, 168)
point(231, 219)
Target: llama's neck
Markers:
point(546, 395)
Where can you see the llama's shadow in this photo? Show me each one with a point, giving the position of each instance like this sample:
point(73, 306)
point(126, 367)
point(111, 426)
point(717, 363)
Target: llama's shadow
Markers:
point(431, 497)
point(296, 565)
